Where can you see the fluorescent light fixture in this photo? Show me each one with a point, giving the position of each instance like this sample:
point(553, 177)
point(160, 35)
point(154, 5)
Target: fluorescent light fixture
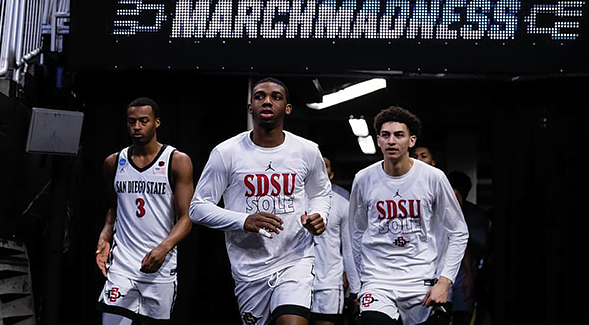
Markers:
point(359, 126)
point(367, 145)
point(349, 93)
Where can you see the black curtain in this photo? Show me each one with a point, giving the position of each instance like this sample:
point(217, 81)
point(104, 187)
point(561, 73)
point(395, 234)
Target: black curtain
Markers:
point(540, 211)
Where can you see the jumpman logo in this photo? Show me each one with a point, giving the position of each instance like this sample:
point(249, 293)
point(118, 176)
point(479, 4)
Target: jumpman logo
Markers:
point(397, 194)
point(269, 167)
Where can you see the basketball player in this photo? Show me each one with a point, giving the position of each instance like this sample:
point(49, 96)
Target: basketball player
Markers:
point(333, 253)
point(149, 186)
point(263, 176)
point(401, 209)
point(424, 154)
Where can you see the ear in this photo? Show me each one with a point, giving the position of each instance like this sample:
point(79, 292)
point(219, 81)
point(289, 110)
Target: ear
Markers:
point(288, 109)
point(331, 175)
point(158, 122)
point(412, 141)
point(250, 110)
point(378, 140)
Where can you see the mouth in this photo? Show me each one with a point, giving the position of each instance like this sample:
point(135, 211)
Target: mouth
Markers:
point(266, 113)
point(137, 135)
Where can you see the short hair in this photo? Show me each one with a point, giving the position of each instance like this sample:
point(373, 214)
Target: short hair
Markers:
point(426, 146)
point(144, 101)
point(461, 182)
point(398, 114)
point(274, 81)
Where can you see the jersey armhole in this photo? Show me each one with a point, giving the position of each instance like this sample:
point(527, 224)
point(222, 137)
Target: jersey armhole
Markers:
point(117, 162)
point(171, 178)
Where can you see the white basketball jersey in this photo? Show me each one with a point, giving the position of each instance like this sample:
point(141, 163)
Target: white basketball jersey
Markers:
point(145, 215)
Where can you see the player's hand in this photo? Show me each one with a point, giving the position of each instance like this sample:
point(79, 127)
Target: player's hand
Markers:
point(313, 223)
point(153, 260)
point(438, 294)
point(263, 220)
point(102, 251)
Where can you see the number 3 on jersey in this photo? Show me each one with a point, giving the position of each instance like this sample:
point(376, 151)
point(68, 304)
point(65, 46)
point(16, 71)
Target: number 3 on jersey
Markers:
point(140, 207)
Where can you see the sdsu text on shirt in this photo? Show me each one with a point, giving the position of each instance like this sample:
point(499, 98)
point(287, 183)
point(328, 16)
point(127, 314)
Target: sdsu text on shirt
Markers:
point(254, 179)
point(405, 229)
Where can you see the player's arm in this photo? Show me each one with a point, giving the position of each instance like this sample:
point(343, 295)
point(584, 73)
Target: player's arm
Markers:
point(318, 188)
point(357, 223)
point(183, 190)
point(349, 266)
point(454, 226)
point(213, 182)
point(105, 238)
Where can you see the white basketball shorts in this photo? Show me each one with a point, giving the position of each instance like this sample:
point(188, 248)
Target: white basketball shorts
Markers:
point(287, 291)
point(122, 295)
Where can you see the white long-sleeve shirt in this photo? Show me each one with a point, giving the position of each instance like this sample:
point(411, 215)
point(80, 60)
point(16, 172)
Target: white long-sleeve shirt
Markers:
point(254, 179)
point(405, 229)
point(333, 250)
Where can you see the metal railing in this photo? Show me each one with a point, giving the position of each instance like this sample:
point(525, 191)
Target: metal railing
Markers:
point(22, 24)
point(6, 35)
point(28, 40)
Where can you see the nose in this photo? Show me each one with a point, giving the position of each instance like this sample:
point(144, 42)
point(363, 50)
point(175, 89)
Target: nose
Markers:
point(267, 101)
point(137, 125)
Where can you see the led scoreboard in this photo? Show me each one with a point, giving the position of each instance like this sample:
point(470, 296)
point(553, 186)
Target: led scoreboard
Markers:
point(327, 36)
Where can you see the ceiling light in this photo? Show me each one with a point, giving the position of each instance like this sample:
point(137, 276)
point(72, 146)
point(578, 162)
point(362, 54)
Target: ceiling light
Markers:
point(367, 145)
point(349, 93)
point(359, 126)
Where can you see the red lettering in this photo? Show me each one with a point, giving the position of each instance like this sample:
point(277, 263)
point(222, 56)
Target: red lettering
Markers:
point(275, 184)
point(247, 180)
point(263, 184)
point(412, 208)
point(380, 209)
point(287, 190)
point(403, 208)
point(114, 294)
point(392, 209)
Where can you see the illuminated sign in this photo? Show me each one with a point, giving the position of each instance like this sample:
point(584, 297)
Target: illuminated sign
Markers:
point(460, 36)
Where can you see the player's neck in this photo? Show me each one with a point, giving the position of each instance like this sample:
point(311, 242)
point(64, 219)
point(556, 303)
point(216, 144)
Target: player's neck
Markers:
point(397, 167)
point(267, 138)
point(149, 149)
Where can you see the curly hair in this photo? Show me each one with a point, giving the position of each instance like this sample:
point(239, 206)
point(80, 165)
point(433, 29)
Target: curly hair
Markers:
point(398, 114)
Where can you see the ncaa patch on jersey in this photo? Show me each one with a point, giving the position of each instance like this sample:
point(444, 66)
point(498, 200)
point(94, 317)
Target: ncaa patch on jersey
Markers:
point(122, 161)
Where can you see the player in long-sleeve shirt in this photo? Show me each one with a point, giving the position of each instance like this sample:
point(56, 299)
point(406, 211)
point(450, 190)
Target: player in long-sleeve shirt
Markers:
point(264, 178)
point(407, 228)
point(333, 253)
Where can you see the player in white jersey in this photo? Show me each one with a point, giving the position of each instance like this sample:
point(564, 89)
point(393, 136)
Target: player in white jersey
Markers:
point(149, 186)
point(405, 222)
point(263, 176)
point(333, 255)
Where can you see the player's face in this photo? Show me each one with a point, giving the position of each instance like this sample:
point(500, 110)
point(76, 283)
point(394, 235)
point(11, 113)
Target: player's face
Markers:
point(142, 123)
point(328, 167)
point(269, 105)
point(395, 140)
point(424, 155)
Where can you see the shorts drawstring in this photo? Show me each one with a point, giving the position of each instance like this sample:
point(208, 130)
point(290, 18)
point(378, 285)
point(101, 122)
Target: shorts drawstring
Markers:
point(274, 277)
point(272, 281)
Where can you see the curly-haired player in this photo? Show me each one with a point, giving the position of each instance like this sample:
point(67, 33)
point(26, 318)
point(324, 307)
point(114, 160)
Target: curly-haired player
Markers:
point(408, 232)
